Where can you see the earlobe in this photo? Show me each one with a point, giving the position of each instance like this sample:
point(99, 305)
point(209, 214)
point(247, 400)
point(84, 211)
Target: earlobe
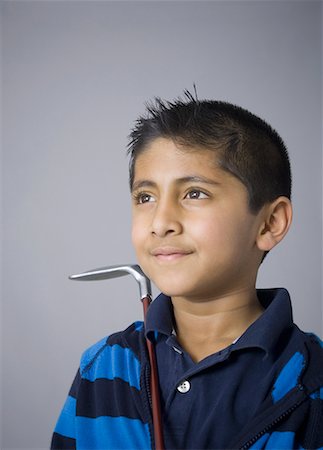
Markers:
point(276, 223)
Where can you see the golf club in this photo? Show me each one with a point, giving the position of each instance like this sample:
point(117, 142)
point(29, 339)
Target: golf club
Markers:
point(145, 295)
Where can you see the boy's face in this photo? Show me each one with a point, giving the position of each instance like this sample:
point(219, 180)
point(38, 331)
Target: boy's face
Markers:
point(192, 230)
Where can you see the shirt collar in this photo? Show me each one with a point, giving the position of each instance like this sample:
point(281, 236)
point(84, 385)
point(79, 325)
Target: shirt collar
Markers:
point(268, 329)
point(264, 333)
point(160, 316)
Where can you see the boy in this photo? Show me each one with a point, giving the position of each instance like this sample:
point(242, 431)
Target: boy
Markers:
point(211, 189)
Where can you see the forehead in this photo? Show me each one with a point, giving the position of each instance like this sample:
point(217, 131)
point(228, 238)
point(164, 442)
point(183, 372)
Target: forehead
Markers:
point(166, 161)
point(164, 152)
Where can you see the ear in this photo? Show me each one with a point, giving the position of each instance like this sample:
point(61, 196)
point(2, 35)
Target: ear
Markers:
point(277, 219)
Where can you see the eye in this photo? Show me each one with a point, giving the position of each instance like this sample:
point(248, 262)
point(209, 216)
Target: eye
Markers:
point(142, 197)
point(196, 194)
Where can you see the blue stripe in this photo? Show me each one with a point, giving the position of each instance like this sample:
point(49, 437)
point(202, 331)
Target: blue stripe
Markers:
point(66, 421)
point(283, 439)
point(115, 362)
point(288, 377)
point(90, 354)
point(139, 326)
point(317, 394)
point(260, 444)
point(112, 433)
point(277, 440)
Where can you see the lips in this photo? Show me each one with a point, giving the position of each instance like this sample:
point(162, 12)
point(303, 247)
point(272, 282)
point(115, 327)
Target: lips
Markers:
point(169, 253)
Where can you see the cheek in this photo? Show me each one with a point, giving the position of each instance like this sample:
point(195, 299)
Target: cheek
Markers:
point(134, 236)
point(207, 229)
point(238, 234)
point(137, 233)
point(220, 232)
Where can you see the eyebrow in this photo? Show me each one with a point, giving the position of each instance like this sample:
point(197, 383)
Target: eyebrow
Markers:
point(183, 180)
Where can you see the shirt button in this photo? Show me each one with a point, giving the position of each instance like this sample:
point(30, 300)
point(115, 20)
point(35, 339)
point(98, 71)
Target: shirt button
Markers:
point(184, 387)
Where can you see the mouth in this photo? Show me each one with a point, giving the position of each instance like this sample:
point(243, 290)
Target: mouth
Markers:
point(169, 253)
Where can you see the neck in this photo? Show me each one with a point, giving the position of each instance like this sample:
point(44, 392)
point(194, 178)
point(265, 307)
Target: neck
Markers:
point(208, 326)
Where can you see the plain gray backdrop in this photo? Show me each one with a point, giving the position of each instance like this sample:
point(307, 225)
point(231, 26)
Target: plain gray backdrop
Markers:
point(74, 77)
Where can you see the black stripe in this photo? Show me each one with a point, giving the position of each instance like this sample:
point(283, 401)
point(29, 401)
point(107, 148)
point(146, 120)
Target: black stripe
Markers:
point(112, 398)
point(60, 442)
point(75, 385)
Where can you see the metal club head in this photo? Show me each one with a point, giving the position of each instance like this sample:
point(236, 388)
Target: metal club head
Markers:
point(105, 273)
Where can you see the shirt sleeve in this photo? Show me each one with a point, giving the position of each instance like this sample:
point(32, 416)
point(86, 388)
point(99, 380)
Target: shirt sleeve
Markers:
point(64, 436)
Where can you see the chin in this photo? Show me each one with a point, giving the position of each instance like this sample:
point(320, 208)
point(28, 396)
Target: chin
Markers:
point(172, 289)
point(173, 283)
point(164, 288)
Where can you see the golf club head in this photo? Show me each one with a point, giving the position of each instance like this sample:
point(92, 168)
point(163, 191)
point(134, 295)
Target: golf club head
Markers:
point(105, 273)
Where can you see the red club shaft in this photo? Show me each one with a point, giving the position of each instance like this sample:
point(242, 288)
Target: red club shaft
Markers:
point(155, 399)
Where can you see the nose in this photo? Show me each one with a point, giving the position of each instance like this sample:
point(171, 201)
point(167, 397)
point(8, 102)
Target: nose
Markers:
point(166, 220)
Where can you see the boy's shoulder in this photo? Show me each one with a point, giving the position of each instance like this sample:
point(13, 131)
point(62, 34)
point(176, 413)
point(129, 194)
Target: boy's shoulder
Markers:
point(305, 338)
point(301, 364)
point(116, 355)
point(309, 344)
point(313, 376)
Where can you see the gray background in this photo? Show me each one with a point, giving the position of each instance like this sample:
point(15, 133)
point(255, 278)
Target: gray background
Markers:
point(75, 76)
